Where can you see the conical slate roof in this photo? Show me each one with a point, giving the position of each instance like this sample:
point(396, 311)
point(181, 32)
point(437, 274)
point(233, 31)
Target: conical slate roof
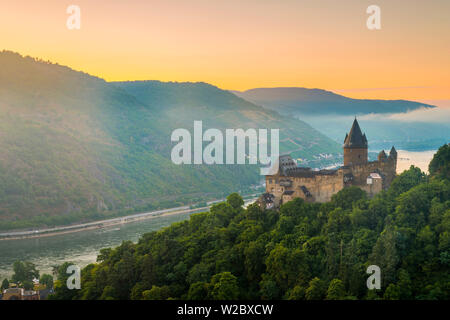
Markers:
point(382, 155)
point(355, 138)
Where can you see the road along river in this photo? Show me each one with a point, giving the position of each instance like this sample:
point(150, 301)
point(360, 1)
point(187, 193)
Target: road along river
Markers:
point(81, 246)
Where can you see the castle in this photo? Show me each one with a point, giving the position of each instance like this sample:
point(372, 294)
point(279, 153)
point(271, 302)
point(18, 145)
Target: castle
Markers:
point(318, 186)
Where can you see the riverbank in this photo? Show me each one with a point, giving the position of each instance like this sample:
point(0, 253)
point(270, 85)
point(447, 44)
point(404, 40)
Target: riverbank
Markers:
point(420, 159)
point(49, 232)
point(80, 248)
point(96, 225)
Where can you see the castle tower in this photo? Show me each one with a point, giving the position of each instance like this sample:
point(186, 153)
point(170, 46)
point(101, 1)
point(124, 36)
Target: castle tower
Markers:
point(355, 146)
point(382, 156)
point(393, 153)
point(393, 158)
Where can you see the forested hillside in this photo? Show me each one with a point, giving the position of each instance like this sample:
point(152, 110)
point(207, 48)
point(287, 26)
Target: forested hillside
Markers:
point(76, 148)
point(304, 251)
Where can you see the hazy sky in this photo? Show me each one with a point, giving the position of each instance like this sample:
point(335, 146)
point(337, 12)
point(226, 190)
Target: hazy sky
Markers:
point(244, 44)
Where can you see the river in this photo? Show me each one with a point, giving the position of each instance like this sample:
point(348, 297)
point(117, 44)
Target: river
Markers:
point(420, 159)
point(82, 247)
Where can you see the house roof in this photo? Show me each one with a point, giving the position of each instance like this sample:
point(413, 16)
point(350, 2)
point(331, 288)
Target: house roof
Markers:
point(308, 172)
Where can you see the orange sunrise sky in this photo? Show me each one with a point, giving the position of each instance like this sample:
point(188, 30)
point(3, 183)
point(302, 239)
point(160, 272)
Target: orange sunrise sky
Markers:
point(245, 44)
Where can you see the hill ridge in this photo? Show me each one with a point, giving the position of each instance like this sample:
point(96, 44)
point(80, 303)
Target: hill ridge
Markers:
point(300, 100)
point(78, 148)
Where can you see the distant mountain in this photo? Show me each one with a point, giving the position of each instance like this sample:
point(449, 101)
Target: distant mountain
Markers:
point(296, 101)
point(332, 114)
point(384, 133)
point(76, 148)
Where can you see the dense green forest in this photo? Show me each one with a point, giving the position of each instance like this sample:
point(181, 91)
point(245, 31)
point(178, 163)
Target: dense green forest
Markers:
point(304, 251)
point(77, 148)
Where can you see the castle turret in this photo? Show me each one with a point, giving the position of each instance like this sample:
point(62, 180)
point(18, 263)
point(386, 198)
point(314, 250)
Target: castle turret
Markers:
point(393, 158)
point(382, 156)
point(355, 146)
point(393, 153)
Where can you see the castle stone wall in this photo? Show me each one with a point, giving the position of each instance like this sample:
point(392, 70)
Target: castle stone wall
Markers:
point(321, 187)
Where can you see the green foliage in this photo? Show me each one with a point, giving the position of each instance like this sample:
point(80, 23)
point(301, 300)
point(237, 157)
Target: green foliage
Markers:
point(316, 290)
point(405, 181)
point(24, 272)
point(296, 293)
point(5, 284)
point(346, 197)
point(27, 285)
point(235, 200)
point(372, 295)
point(440, 164)
point(197, 291)
point(223, 286)
point(336, 290)
point(304, 251)
point(46, 280)
point(156, 293)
